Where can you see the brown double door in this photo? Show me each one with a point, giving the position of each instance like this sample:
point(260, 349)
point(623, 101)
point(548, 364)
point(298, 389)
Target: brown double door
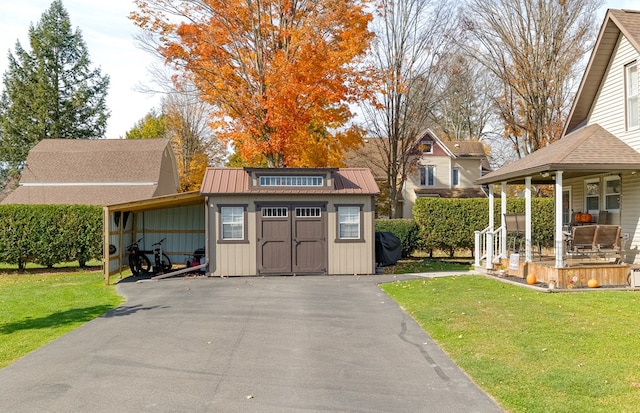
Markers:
point(292, 239)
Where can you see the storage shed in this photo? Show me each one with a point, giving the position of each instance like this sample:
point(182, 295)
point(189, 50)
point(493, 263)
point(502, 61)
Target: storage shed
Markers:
point(293, 221)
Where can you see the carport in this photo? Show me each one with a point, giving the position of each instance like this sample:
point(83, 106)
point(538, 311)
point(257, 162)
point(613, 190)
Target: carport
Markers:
point(180, 219)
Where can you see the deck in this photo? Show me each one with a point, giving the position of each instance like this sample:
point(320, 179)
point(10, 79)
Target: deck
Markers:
point(578, 269)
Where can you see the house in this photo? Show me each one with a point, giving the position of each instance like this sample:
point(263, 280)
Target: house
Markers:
point(96, 172)
point(294, 221)
point(594, 166)
point(445, 169)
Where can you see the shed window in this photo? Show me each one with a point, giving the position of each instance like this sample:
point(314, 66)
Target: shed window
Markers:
point(308, 212)
point(631, 80)
point(275, 212)
point(272, 180)
point(232, 223)
point(349, 222)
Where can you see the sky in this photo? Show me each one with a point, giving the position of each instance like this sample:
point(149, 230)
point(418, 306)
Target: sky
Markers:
point(109, 36)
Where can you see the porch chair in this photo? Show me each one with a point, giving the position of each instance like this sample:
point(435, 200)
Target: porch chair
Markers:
point(607, 241)
point(515, 229)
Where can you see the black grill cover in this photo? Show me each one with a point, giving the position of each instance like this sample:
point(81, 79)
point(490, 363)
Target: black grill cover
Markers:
point(388, 248)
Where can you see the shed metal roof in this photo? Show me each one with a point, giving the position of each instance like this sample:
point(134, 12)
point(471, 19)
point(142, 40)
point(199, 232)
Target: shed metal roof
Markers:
point(236, 181)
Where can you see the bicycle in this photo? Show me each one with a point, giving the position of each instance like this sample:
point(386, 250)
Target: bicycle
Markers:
point(139, 262)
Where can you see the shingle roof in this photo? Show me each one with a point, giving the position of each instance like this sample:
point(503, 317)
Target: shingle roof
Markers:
point(465, 148)
point(589, 149)
point(94, 160)
point(92, 172)
point(616, 22)
point(236, 181)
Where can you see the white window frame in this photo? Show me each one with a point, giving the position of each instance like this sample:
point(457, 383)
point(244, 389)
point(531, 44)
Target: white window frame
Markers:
point(426, 146)
point(349, 222)
point(231, 220)
point(632, 109)
point(424, 175)
point(455, 177)
point(608, 194)
point(291, 180)
point(566, 211)
point(587, 196)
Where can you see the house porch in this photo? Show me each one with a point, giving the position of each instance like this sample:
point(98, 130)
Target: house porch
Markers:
point(580, 270)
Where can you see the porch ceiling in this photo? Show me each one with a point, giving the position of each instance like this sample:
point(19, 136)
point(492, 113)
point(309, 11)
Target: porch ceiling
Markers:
point(589, 150)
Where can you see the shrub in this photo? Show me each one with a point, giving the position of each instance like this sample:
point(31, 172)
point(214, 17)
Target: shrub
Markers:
point(50, 234)
point(448, 224)
point(405, 229)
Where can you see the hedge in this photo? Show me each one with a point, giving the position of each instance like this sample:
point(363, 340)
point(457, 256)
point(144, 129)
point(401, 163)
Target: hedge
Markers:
point(50, 234)
point(448, 224)
point(405, 229)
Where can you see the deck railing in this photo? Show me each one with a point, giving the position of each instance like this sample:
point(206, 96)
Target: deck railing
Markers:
point(488, 244)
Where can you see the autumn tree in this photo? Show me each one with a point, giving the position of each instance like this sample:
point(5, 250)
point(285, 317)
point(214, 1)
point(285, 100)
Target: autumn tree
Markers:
point(410, 37)
point(534, 49)
point(194, 143)
point(153, 125)
point(279, 75)
point(51, 91)
point(183, 119)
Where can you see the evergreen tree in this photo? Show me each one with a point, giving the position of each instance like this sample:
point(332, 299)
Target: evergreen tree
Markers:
point(50, 92)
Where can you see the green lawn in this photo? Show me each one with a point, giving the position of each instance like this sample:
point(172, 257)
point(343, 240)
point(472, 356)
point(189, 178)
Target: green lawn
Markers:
point(534, 352)
point(38, 308)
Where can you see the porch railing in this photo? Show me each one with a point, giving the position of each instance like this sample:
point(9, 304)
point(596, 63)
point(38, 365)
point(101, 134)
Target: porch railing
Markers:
point(488, 246)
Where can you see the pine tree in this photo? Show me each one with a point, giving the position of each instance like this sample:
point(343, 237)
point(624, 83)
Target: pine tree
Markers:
point(50, 92)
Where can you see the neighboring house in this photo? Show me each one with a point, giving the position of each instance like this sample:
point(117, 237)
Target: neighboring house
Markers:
point(595, 166)
point(96, 172)
point(290, 221)
point(445, 169)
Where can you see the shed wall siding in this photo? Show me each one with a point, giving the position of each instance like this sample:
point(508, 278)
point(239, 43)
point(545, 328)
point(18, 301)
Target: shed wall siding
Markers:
point(609, 108)
point(241, 259)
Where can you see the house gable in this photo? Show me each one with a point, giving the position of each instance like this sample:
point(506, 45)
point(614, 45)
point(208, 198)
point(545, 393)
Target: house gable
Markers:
point(600, 97)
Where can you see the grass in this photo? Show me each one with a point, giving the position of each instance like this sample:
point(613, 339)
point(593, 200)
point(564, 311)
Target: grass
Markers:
point(38, 308)
point(534, 352)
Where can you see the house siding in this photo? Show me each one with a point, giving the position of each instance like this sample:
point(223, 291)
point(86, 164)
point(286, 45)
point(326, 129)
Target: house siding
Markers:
point(609, 108)
point(629, 215)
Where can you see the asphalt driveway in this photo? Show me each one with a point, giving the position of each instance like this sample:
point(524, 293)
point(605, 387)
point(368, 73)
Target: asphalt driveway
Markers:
point(277, 344)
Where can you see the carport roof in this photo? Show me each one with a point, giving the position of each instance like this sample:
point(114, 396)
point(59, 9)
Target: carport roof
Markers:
point(159, 202)
point(590, 149)
point(237, 181)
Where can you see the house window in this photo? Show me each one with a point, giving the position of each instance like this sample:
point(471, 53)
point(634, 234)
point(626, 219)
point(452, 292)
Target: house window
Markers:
point(631, 80)
point(349, 219)
point(592, 196)
point(232, 223)
point(426, 146)
point(455, 177)
point(428, 175)
point(612, 193)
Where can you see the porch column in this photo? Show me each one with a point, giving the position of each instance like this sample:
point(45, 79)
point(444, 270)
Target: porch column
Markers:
point(559, 239)
point(503, 210)
point(527, 219)
point(489, 261)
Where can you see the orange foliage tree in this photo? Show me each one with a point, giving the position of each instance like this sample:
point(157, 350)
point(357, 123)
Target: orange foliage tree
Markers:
point(280, 74)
